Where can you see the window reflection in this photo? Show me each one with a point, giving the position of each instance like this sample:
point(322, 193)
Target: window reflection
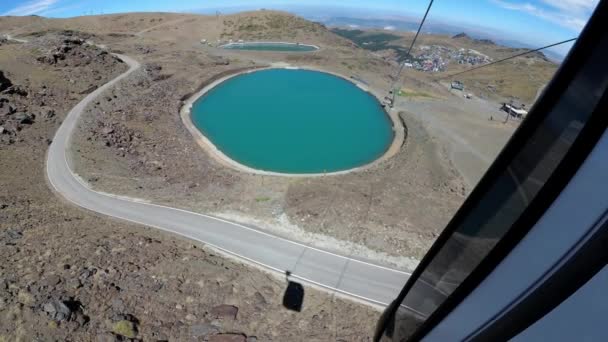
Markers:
point(503, 204)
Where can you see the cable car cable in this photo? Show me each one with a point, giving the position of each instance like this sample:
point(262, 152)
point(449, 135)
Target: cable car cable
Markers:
point(505, 59)
point(410, 50)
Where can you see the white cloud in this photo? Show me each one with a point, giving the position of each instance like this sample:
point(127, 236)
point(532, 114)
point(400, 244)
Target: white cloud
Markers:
point(572, 5)
point(32, 7)
point(572, 14)
point(61, 9)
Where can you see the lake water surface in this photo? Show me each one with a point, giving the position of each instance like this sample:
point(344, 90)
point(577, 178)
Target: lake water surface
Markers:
point(294, 121)
point(263, 46)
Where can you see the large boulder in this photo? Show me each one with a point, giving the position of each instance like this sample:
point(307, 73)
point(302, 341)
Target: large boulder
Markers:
point(57, 310)
point(24, 118)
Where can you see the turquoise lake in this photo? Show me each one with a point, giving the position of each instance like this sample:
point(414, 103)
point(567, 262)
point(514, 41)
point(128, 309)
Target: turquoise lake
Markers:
point(284, 47)
point(294, 121)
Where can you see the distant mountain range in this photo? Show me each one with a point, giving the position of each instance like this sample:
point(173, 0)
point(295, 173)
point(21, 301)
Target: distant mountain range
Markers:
point(352, 17)
point(406, 24)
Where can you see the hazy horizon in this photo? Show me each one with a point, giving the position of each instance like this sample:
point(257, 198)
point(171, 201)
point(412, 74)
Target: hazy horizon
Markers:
point(534, 23)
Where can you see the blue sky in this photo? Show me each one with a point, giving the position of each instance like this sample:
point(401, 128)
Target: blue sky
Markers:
point(535, 22)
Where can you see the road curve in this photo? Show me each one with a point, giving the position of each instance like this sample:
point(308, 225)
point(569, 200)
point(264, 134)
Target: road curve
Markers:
point(9, 37)
point(363, 280)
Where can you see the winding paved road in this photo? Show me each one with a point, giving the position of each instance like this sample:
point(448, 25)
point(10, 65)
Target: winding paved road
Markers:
point(372, 283)
point(9, 37)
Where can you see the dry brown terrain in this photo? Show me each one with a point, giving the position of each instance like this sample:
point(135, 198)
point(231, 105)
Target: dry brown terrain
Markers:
point(68, 274)
point(133, 143)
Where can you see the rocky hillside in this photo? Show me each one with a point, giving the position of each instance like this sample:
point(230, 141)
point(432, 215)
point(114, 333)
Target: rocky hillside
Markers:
point(100, 24)
point(519, 78)
point(268, 25)
point(69, 275)
point(31, 98)
point(186, 28)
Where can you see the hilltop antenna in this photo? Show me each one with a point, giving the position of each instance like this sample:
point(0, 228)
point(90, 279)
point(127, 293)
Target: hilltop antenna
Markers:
point(409, 51)
point(507, 58)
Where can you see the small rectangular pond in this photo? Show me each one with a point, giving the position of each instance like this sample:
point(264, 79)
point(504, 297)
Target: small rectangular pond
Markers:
point(270, 46)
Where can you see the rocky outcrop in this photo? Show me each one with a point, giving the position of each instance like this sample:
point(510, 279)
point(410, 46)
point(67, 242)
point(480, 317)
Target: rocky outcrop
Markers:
point(59, 53)
point(154, 72)
point(13, 106)
point(57, 310)
point(461, 35)
point(82, 65)
point(24, 118)
point(14, 110)
point(117, 136)
point(75, 52)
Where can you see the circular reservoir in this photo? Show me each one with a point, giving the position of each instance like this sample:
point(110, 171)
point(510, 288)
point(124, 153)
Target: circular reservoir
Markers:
point(271, 46)
point(293, 121)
